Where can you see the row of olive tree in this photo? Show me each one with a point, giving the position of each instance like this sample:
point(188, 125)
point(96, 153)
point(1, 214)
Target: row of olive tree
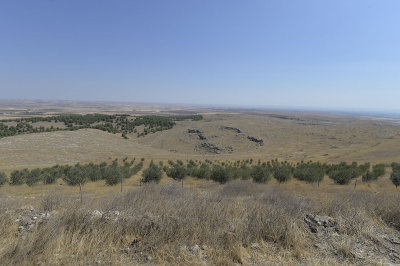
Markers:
point(74, 175)
point(222, 172)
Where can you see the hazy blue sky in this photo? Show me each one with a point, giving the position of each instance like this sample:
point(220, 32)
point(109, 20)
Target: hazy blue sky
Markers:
point(331, 54)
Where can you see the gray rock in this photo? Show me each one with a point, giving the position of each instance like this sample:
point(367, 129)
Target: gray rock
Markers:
point(316, 222)
point(256, 140)
point(209, 147)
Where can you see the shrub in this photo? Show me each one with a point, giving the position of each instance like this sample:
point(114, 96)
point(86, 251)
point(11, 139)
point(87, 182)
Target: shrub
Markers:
point(152, 174)
point(260, 174)
point(3, 178)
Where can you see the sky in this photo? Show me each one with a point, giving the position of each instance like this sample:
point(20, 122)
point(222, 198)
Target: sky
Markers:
point(338, 54)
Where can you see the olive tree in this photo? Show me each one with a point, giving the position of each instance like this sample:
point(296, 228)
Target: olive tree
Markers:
point(3, 178)
point(152, 174)
point(76, 176)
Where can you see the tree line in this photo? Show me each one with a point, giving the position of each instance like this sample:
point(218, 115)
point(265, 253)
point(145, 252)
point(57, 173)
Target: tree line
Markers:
point(221, 172)
point(311, 172)
point(120, 123)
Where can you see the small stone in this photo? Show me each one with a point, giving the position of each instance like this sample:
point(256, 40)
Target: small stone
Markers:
point(318, 246)
point(195, 248)
point(34, 218)
point(204, 247)
point(254, 245)
point(96, 214)
point(149, 258)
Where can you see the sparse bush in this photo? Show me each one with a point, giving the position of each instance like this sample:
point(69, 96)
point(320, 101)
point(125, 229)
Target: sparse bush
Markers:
point(52, 201)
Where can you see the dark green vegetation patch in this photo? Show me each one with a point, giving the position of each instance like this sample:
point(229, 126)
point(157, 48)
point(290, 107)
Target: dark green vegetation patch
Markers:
point(111, 123)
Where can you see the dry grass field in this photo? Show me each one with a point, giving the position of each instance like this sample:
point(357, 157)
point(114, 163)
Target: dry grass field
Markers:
point(202, 222)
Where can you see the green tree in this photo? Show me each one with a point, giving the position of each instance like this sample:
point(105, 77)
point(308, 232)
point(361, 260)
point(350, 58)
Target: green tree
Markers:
point(177, 172)
point(113, 175)
point(309, 172)
point(33, 177)
point(282, 173)
point(152, 174)
point(74, 176)
point(3, 178)
point(369, 176)
point(341, 176)
point(203, 172)
point(395, 176)
point(379, 170)
point(260, 174)
point(49, 176)
point(220, 174)
point(18, 177)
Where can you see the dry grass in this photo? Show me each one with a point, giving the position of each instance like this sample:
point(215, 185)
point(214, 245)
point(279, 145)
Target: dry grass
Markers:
point(239, 222)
